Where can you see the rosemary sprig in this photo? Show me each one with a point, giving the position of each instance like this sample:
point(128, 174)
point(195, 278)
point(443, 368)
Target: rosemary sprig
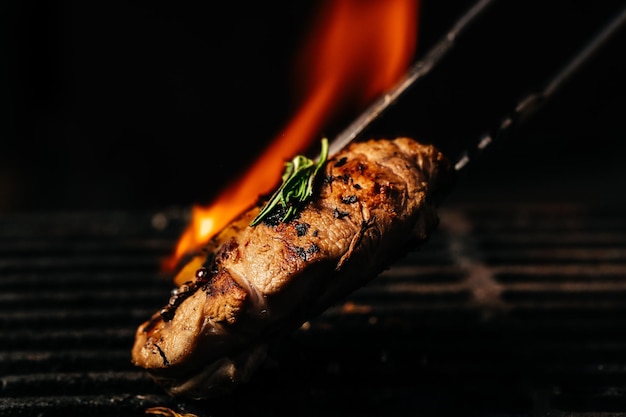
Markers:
point(297, 185)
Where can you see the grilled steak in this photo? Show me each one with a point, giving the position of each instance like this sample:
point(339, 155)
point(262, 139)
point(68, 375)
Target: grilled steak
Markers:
point(374, 201)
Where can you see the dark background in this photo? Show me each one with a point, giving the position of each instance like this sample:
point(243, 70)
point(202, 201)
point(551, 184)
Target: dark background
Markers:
point(135, 105)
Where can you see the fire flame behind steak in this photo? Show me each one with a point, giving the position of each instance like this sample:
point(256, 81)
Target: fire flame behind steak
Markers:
point(374, 201)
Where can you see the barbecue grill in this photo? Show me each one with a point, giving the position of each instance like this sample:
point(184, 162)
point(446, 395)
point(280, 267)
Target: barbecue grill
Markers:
point(516, 306)
point(510, 309)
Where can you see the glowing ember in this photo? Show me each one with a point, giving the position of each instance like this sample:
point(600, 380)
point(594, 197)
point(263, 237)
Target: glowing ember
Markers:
point(356, 51)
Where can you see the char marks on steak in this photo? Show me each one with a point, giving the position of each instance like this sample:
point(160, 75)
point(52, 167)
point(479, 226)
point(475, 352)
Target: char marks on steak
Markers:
point(374, 201)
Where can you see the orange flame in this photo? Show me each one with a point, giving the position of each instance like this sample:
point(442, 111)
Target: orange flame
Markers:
point(356, 51)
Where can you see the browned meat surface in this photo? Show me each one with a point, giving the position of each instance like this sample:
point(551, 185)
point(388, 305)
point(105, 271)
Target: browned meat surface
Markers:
point(375, 200)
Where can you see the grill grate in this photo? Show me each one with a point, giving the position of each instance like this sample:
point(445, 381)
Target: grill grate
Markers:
point(508, 310)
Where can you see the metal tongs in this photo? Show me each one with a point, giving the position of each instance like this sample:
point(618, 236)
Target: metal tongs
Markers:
point(526, 107)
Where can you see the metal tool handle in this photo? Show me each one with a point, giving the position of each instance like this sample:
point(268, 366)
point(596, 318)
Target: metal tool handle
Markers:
point(532, 102)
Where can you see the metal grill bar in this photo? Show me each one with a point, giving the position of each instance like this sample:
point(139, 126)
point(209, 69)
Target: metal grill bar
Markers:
point(73, 288)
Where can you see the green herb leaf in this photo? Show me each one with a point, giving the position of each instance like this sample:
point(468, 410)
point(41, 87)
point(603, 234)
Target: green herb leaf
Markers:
point(297, 186)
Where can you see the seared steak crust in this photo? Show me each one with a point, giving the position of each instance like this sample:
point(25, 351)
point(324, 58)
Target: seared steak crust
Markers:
point(375, 200)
